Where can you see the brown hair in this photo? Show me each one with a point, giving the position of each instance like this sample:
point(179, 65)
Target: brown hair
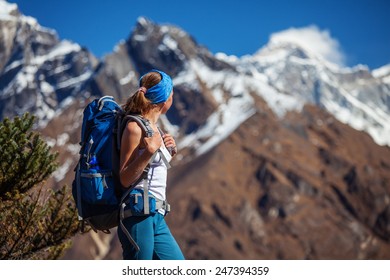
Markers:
point(138, 103)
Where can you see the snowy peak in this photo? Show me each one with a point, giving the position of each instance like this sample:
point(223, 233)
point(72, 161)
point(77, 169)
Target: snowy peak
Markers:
point(382, 73)
point(38, 72)
point(315, 43)
point(144, 26)
point(160, 44)
point(273, 52)
point(355, 96)
point(168, 48)
point(21, 37)
point(8, 10)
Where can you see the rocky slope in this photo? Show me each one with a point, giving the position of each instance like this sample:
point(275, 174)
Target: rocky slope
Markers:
point(301, 189)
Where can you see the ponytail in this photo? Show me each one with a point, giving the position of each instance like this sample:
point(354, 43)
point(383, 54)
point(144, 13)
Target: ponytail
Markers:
point(138, 103)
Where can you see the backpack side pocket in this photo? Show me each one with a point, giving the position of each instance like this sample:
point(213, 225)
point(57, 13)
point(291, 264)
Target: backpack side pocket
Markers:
point(97, 187)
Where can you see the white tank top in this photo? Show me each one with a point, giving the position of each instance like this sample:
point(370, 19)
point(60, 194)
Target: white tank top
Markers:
point(157, 177)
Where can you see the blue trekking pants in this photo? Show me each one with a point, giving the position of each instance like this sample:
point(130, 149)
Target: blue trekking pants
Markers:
point(152, 235)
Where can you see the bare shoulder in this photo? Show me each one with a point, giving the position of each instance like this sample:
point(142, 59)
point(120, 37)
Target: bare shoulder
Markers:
point(131, 141)
point(132, 132)
point(133, 128)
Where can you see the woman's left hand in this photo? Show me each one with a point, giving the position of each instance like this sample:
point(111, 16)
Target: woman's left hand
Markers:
point(170, 144)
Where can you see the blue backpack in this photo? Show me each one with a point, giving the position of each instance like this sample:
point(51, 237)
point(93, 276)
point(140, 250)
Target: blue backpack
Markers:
point(96, 187)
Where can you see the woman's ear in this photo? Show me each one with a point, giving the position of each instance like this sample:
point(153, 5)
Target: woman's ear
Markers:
point(160, 106)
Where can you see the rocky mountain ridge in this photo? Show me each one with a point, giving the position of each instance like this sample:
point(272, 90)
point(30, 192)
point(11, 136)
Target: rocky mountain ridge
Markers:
point(38, 72)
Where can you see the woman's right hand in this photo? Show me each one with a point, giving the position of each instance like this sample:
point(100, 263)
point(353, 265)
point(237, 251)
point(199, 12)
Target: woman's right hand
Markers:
point(152, 144)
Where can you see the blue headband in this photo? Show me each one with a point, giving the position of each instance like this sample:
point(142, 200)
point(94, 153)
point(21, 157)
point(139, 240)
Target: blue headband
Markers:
point(159, 93)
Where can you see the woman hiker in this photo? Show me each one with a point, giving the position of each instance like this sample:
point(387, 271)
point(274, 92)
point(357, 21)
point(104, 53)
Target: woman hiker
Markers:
point(150, 237)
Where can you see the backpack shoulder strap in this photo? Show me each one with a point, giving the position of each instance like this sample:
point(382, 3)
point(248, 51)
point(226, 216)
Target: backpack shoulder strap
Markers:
point(142, 122)
point(122, 121)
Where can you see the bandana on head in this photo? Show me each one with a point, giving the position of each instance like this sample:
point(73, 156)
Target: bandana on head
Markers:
point(159, 93)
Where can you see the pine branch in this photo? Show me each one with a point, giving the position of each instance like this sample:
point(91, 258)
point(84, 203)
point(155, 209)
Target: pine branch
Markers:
point(33, 227)
point(24, 229)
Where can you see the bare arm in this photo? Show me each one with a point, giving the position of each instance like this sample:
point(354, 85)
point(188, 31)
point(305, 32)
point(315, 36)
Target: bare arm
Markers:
point(132, 162)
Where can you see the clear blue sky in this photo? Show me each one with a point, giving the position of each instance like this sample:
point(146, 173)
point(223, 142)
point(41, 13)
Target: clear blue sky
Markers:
point(361, 27)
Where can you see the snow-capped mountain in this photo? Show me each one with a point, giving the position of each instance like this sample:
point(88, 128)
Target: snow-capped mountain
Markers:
point(262, 154)
point(285, 75)
point(38, 72)
point(355, 95)
point(41, 74)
